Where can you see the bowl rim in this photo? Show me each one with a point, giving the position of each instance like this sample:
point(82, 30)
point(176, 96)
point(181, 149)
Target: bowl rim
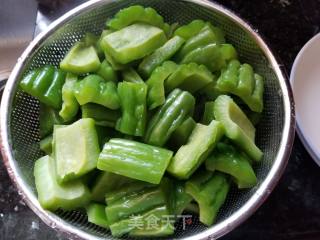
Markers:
point(213, 232)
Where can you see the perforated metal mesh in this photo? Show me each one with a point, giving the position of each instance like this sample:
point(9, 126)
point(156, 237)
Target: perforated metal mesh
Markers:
point(24, 125)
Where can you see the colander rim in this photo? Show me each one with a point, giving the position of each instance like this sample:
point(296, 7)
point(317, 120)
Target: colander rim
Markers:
point(215, 231)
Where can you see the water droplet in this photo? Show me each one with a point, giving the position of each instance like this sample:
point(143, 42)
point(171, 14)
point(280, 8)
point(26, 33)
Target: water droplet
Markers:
point(53, 225)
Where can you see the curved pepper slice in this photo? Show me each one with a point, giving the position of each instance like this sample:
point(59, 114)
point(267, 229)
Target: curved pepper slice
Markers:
point(209, 190)
point(213, 56)
point(81, 59)
point(133, 106)
point(180, 136)
point(227, 159)
point(190, 30)
point(178, 106)
point(156, 93)
point(93, 89)
point(130, 75)
point(208, 114)
point(133, 14)
point(107, 73)
point(70, 105)
point(160, 55)
point(51, 194)
point(45, 84)
point(207, 35)
point(48, 117)
point(200, 144)
point(237, 126)
point(190, 77)
point(181, 199)
point(126, 45)
point(134, 160)
point(97, 215)
point(240, 80)
point(101, 115)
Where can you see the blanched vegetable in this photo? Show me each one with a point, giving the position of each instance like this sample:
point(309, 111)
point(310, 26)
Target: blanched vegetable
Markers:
point(130, 75)
point(46, 144)
point(101, 115)
point(97, 215)
point(48, 117)
point(106, 72)
point(180, 136)
point(190, 30)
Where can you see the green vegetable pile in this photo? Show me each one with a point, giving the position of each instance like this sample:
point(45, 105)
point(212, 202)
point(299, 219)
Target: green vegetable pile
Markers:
point(147, 120)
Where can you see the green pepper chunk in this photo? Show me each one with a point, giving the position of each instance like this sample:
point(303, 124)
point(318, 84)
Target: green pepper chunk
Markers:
point(209, 190)
point(207, 35)
point(213, 56)
point(45, 84)
point(227, 159)
point(48, 117)
point(200, 144)
point(101, 115)
point(133, 14)
point(133, 106)
point(134, 160)
point(91, 39)
point(208, 114)
point(46, 144)
point(156, 93)
point(181, 198)
point(70, 105)
point(93, 89)
point(105, 183)
point(180, 136)
point(126, 45)
point(178, 106)
point(107, 73)
point(130, 75)
point(51, 194)
point(190, 77)
point(81, 59)
point(241, 81)
point(190, 30)
point(237, 126)
point(97, 215)
point(76, 149)
point(160, 55)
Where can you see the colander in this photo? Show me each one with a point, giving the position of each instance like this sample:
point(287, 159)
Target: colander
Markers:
point(20, 112)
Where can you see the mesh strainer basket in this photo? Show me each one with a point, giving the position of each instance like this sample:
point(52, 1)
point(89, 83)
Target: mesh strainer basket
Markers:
point(20, 112)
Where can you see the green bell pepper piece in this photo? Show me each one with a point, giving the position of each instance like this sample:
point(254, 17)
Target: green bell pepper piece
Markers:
point(207, 35)
point(126, 45)
point(178, 106)
point(97, 215)
point(76, 149)
point(130, 75)
point(134, 160)
point(107, 73)
point(190, 30)
point(210, 91)
point(133, 14)
point(48, 117)
point(150, 62)
point(180, 136)
point(200, 144)
point(45, 84)
point(81, 59)
point(133, 97)
point(105, 183)
point(91, 39)
point(190, 77)
point(51, 194)
point(208, 114)
point(209, 190)
point(213, 56)
point(156, 93)
point(192, 208)
point(70, 105)
point(241, 81)
point(93, 89)
point(101, 115)
point(227, 159)
point(237, 126)
point(181, 198)
point(170, 29)
point(46, 144)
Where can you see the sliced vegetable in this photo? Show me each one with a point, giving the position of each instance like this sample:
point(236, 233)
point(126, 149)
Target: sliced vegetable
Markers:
point(200, 144)
point(208, 114)
point(76, 149)
point(181, 198)
point(106, 72)
point(97, 215)
point(178, 106)
point(227, 159)
point(93, 89)
point(48, 117)
point(190, 30)
point(52, 195)
point(101, 115)
point(134, 160)
point(209, 190)
point(180, 136)
point(46, 145)
point(130, 75)
point(133, 97)
point(126, 45)
point(237, 126)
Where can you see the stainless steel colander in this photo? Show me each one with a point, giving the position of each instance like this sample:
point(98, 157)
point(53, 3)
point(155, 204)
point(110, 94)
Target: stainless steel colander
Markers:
point(20, 121)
